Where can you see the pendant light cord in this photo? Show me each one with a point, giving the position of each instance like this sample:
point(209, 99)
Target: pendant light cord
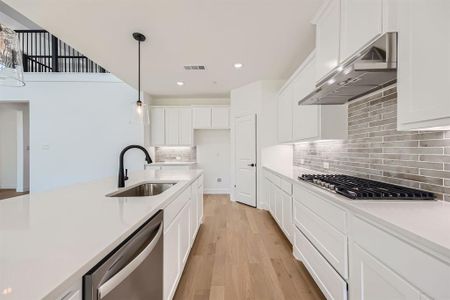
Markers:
point(139, 70)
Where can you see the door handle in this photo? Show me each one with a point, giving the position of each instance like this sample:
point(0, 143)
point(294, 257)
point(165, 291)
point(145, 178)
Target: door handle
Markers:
point(251, 165)
point(117, 279)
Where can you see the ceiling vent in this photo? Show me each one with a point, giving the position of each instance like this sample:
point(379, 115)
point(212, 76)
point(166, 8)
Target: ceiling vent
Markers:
point(195, 68)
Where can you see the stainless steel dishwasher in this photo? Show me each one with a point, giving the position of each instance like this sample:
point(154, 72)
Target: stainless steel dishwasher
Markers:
point(134, 270)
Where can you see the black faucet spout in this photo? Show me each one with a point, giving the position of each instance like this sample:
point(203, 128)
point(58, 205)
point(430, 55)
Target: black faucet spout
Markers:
point(122, 171)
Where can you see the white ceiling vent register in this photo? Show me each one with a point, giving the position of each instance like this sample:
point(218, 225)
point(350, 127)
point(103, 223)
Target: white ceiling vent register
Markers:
point(195, 68)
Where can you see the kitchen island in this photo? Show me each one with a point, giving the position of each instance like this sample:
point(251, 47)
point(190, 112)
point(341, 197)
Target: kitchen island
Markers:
point(49, 240)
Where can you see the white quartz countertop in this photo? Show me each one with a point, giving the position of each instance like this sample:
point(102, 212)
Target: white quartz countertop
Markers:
point(424, 222)
point(173, 163)
point(49, 240)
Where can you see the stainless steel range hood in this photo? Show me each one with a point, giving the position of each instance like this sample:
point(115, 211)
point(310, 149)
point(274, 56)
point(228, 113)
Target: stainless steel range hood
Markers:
point(370, 69)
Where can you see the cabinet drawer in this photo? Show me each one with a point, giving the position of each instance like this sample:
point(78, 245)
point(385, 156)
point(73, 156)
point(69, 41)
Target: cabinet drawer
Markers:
point(423, 270)
point(172, 210)
point(335, 216)
point(328, 280)
point(274, 179)
point(286, 186)
point(330, 242)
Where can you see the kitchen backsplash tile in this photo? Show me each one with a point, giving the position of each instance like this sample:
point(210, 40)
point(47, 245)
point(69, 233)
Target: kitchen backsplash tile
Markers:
point(175, 154)
point(376, 150)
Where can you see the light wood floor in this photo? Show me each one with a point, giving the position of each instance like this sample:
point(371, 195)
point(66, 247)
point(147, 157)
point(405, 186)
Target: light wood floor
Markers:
point(240, 253)
point(9, 193)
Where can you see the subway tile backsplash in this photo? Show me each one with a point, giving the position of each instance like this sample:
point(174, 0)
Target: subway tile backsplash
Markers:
point(376, 150)
point(185, 154)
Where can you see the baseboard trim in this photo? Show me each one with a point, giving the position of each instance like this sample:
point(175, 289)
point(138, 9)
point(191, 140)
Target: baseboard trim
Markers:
point(216, 191)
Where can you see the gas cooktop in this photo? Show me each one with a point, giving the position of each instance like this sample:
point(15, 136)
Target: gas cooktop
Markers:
point(362, 189)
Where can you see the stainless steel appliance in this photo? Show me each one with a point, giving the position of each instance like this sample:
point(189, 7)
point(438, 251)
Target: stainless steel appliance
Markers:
point(369, 69)
point(365, 189)
point(134, 270)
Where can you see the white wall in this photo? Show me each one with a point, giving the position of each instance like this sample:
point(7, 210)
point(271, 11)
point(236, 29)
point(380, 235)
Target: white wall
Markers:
point(214, 157)
point(8, 145)
point(256, 98)
point(79, 123)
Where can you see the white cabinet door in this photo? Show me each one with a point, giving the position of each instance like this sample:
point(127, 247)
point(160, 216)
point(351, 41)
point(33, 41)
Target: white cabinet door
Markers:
point(278, 206)
point(220, 118)
point(200, 200)
point(172, 262)
point(202, 117)
point(372, 280)
point(423, 64)
point(157, 121)
point(361, 22)
point(185, 236)
point(306, 117)
point(285, 115)
point(172, 124)
point(328, 39)
point(186, 131)
point(194, 220)
point(287, 223)
point(272, 203)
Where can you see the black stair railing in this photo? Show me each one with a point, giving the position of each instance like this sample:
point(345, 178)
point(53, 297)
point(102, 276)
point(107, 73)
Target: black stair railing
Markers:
point(43, 52)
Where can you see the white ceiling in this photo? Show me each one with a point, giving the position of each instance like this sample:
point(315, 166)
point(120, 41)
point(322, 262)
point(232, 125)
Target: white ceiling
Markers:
point(270, 37)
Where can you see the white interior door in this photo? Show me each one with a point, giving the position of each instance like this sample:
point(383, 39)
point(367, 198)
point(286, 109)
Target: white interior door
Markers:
point(245, 128)
point(20, 152)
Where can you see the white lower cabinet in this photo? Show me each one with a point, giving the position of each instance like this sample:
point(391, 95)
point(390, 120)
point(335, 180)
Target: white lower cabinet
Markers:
point(324, 224)
point(330, 283)
point(372, 280)
point(383, 266)
point(200, 199)
point(181, 222)
point(171, 259)
point(278, 194)
point(351, 257)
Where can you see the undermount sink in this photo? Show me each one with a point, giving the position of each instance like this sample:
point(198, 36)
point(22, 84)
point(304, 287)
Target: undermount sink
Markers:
point(143, 190)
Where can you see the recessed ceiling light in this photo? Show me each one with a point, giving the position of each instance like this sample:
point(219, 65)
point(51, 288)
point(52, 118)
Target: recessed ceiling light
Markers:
point(180, 83)
point(238, 65)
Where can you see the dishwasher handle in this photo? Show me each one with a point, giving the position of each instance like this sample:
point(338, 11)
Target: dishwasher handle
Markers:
point(118, 278)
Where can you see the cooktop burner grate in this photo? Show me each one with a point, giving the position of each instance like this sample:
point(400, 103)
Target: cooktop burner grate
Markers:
point(359, 188)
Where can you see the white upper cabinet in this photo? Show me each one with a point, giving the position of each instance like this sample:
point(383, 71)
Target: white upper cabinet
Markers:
point(328, 38)
point(157, 127)
point(202, 117)
point(186, 132)
point(171, 126)
point(423, 64)
point(361, 22)
point(306, 117)
point(220, 118)
point(285, 115)
point(298, 123)
point(211, 117)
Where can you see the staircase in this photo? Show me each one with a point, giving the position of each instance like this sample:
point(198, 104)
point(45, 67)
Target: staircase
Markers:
point(43, 52)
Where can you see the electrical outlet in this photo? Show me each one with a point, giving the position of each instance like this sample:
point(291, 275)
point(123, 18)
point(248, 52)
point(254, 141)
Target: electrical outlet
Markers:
point(219, 179)
point(326, 165)
point(302, 161)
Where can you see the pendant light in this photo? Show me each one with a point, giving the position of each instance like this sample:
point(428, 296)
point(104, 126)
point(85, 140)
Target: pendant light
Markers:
point(11, 68)
point(139, 106)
